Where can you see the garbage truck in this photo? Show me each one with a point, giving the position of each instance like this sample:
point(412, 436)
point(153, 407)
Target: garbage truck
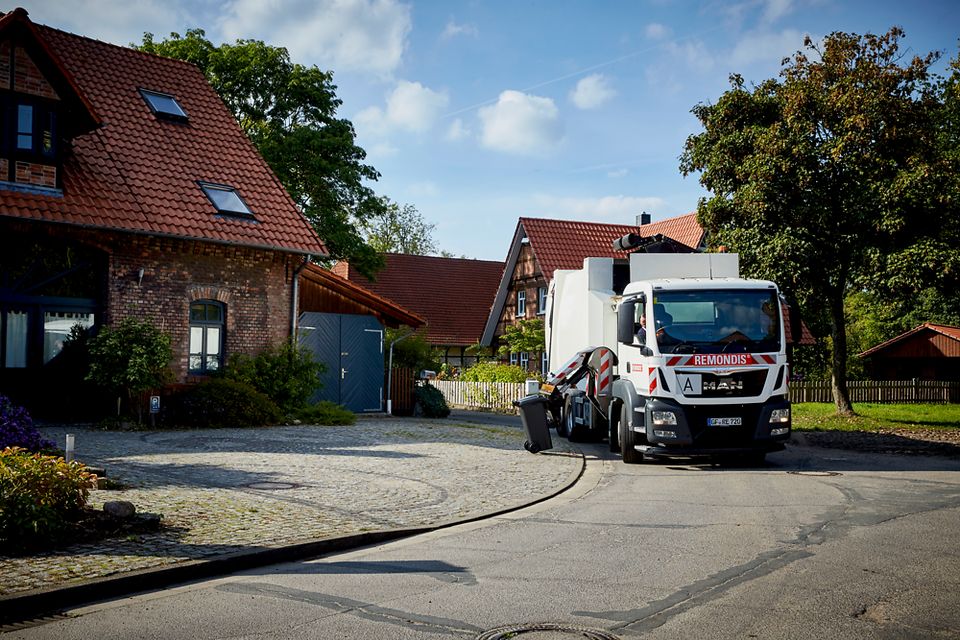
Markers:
point(673, 354)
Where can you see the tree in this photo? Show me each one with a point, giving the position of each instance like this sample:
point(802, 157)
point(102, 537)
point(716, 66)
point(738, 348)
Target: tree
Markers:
point(526, 335)
point(289, 112)
point(833, 178)
point(400, 229)
point(130, 358)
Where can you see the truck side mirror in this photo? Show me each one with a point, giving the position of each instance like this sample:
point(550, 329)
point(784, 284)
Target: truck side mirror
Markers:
point(625, 322)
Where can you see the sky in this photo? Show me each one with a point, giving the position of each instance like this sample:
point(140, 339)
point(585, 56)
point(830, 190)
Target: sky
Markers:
point(480, 112)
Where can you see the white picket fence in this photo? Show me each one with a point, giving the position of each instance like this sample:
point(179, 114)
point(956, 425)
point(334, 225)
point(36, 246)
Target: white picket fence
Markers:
point(488, 396)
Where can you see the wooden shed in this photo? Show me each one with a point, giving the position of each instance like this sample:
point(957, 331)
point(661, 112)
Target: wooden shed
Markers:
point(928, 352)
point(343, 325)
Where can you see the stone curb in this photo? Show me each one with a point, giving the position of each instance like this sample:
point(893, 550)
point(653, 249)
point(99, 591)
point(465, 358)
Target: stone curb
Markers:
point(25, 606)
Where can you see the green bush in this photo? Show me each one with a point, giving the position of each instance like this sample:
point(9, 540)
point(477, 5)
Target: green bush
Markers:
point(495, 372)
point(326, 413)
point(286, 374)
point(39, 497)
point(431, 401)
point(219, 402)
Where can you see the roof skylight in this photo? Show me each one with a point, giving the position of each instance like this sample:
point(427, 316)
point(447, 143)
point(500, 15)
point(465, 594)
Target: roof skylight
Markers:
point(164, 105)
point(226, 199)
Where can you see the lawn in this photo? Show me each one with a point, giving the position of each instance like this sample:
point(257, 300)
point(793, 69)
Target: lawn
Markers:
point(810, 416)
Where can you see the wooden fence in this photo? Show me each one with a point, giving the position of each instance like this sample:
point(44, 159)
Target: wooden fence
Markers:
point(402, 383)
point(499, 396)
point(880, 391)
point(489, 396)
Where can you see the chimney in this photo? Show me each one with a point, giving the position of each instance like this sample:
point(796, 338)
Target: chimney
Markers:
point(643, 218)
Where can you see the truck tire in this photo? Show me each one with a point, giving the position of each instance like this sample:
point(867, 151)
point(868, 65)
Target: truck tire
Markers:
point(565, 418)
point(628, 438)
point(614, 426)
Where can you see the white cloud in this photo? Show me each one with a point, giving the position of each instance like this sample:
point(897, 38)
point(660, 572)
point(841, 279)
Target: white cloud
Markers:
point(657, 31)
point(619, 173)
point(452, 30)
point(457, 131)
point(776, 9)
point(409, 107)
point(414, 107)
point(521, 123)
point(127, 20)
point(769, 47)
point(614, 209)
point(356, 35)
point(592, 92)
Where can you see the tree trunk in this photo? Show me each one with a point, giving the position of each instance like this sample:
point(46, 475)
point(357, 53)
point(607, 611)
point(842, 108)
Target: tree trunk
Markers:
point(838, 333)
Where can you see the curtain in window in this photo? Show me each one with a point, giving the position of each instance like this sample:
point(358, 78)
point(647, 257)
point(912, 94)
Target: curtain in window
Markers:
point(16, 347)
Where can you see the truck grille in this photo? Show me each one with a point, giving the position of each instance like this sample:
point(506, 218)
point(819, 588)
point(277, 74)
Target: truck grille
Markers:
point(748, 384)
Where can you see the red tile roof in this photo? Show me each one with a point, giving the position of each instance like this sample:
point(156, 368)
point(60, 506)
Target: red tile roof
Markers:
point(315, 274)
point(139, 174)
point(563, 244)
point(454, 295)
point(947, 330)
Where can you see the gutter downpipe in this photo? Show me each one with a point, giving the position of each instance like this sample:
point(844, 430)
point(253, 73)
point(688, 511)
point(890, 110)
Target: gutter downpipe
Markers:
point(294, 299)
point(390, 372)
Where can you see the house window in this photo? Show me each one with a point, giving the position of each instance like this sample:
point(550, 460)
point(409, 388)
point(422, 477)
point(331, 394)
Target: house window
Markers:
point(524, 360)
point(35, 132)
point(15, 339)
point(226, 199)
point(544, 365)
point(521, 303)
point(57, 326)
point(206, 336)
point(513, 358)
point(164, 105)
point(541, 300)
point(25, 127)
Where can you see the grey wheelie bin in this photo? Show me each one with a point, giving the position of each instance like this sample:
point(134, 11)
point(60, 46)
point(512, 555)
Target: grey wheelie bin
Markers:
point(533, 412)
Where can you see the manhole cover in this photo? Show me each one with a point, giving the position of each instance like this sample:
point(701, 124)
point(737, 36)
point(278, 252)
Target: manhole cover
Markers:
point(271, 486)
point(815, 473)
point(545, 631)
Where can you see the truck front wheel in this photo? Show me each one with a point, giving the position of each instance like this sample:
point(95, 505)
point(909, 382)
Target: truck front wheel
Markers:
point(628, 437)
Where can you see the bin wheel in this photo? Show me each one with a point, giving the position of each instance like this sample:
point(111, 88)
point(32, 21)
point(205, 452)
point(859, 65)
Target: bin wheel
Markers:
point(531, 447)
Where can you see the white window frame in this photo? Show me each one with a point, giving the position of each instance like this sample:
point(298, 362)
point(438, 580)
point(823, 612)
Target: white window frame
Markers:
point(521, 303)
point(541, 300)
point(544, 364)
point(513, 357)
point(524, 360)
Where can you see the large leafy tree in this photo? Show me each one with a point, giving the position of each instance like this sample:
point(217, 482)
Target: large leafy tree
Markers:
point(400, 229)
point(289, 111)
point(833, 178)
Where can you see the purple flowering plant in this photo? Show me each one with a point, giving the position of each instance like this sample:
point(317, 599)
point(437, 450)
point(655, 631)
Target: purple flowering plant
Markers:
point(17, 430)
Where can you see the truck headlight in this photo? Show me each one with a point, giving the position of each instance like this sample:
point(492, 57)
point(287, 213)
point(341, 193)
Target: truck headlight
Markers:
point(779, 431)
point(664, 417)
point(779, 416)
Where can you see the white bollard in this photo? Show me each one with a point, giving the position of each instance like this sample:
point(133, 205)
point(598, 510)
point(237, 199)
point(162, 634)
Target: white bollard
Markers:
point(69, 451)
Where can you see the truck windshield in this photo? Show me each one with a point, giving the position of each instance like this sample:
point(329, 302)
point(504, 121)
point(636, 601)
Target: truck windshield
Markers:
point(717, 321)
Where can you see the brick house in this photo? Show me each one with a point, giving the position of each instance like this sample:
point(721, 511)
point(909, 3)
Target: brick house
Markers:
point(127, 189)
point(540, 246)
point(454, 295)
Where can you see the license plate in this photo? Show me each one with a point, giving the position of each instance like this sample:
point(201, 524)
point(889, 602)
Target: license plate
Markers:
point(724, 422)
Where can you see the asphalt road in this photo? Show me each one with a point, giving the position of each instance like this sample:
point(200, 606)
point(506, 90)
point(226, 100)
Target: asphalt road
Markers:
point(817, 544)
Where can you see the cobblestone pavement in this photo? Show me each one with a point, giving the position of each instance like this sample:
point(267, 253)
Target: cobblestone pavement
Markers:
point(229, 490)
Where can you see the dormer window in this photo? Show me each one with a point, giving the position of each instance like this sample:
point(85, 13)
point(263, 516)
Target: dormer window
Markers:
point(164, 105)
point(226, 199)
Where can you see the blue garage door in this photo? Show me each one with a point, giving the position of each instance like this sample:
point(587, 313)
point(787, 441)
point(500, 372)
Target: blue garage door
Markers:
point(351, 348)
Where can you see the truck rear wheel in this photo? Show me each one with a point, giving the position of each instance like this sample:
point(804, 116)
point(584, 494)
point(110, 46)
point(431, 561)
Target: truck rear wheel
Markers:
point(566, 418)
point(614, 426)
point(628, 438)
